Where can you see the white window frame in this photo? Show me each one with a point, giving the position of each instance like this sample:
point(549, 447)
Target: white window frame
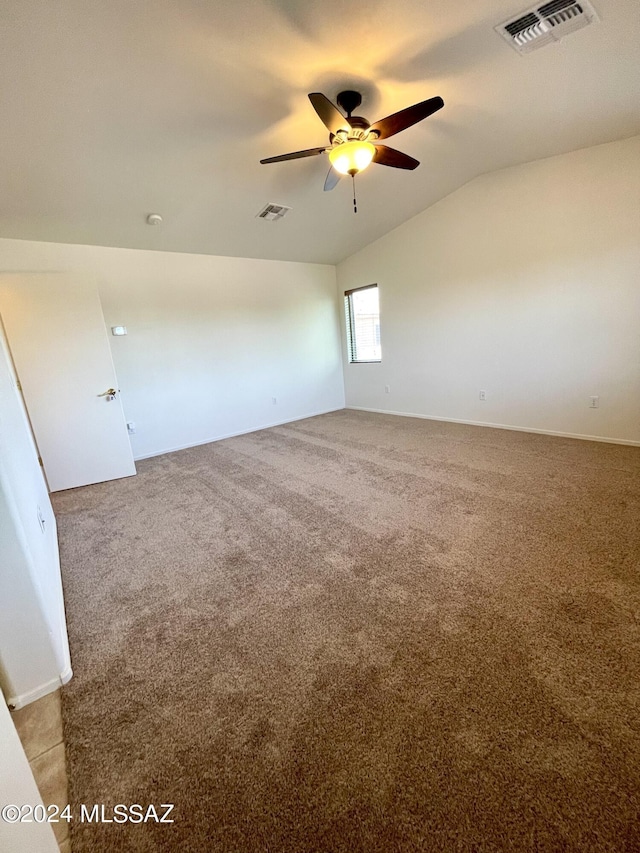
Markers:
point(352, 343)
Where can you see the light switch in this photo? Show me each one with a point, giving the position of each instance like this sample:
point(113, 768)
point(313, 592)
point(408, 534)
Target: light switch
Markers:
point(118, 330)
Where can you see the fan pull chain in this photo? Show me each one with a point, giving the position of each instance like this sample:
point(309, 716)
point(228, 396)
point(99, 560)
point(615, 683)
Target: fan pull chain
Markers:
point(353, 181)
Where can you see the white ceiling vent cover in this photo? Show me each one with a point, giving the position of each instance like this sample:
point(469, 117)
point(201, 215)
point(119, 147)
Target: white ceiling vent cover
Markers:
point(547, 23)
point(273, 212)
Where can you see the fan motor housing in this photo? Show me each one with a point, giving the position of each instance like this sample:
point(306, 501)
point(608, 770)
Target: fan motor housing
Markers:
point(350, 100)
point(359, 122)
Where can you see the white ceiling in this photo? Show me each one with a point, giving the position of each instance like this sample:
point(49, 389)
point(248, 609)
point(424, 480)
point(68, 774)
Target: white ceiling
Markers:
point(113, 110)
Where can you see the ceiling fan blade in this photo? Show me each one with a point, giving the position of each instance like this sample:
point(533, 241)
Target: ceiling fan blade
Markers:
point(392, 124)
point(390, 157)
point(329, 115)
point(295, 155)
point(333, 176)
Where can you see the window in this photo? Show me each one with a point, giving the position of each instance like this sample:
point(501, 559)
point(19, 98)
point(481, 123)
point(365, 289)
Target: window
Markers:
point(362, 314)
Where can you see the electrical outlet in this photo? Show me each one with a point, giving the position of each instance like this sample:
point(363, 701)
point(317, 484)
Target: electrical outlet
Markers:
point(483, 395)
point(594, 402)
point(387, 389)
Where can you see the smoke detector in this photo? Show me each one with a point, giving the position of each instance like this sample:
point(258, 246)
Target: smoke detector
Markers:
point(546, 24)
point(273, 212)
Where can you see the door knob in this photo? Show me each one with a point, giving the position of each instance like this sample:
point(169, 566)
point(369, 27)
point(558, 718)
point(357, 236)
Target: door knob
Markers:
point(110, 393)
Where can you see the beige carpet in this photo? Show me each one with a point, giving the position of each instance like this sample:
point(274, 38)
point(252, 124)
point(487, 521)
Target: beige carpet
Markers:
point(359, 633)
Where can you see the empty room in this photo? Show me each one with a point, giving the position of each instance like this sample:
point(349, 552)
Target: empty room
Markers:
point(320, 426)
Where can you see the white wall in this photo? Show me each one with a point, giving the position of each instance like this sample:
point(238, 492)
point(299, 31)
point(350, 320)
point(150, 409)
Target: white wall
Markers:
point(34, 650)
point(211, 340)
point(524, 283)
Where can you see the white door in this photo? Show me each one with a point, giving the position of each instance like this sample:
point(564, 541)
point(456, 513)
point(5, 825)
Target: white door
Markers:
point(59, 345)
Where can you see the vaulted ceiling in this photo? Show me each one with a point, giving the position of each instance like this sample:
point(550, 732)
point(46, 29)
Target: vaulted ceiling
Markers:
point(114, 110)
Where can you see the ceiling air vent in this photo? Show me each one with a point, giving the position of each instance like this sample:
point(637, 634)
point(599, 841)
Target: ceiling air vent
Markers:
point(547, 23)
point(273, 212)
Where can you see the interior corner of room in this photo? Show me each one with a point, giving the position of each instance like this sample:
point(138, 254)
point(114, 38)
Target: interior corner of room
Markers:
point(504, 298)
point(522, 284)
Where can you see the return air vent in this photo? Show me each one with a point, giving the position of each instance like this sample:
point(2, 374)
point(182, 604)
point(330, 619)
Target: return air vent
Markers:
point(273, 212)
point(546, 24)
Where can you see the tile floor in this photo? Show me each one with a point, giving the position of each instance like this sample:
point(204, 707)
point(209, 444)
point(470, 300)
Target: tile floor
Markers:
point(39, 726)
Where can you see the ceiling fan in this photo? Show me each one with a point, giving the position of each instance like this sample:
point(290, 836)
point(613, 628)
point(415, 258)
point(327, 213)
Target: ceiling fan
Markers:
point(354, 142)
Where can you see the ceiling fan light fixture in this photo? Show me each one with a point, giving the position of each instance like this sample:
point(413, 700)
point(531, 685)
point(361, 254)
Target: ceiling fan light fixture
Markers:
point(349, 158)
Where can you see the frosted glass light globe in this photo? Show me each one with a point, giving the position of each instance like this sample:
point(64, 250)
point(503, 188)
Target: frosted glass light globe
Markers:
point(351, 157)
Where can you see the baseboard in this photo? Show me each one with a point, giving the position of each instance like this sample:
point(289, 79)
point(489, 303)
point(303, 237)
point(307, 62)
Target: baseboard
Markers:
point(579, 436)
point(15, 702)
point(234, 434)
